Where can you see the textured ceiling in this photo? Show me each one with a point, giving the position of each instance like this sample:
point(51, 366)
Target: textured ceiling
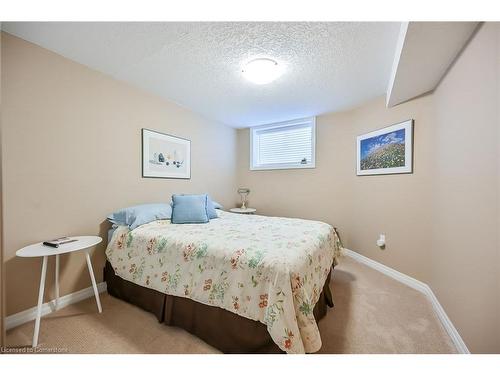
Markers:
point(328, 66)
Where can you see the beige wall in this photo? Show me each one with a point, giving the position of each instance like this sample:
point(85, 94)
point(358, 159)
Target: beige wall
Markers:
point(361, 207)
point(72, 154)
point(465, 266)
point(442, 221)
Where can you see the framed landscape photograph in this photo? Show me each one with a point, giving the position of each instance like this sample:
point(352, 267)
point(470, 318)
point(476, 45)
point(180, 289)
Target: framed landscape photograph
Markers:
point(386, 151)
point(165, 156)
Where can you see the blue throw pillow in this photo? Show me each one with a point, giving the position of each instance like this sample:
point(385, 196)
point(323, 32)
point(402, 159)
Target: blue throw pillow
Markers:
point(189, 209)
point(141, 214)
point(217, 205)
point(212, 214)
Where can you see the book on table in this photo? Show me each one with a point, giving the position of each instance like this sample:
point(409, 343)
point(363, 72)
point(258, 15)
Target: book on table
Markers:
point(58, 241)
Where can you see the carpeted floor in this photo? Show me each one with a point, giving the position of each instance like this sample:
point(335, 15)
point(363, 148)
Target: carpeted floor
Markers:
point(372, 314)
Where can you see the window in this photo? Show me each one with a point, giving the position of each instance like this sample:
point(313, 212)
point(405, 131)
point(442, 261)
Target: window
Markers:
point(284, 145)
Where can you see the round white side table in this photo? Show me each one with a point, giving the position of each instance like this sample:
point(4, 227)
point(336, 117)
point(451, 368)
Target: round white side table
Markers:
point(246, 211)
point(40, 250)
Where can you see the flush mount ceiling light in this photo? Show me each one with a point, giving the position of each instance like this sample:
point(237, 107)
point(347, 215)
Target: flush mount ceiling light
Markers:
point(261, 71)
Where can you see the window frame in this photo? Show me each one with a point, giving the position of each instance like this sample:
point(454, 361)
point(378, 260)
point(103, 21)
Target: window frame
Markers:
point(310, 121)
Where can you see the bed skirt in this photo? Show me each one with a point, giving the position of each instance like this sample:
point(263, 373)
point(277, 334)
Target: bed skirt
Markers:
point(222, 329)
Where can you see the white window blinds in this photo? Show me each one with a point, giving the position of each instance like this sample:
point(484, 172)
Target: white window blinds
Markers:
point(285, 145)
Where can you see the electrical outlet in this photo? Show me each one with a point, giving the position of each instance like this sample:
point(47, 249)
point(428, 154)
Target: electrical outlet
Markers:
point(381, 241)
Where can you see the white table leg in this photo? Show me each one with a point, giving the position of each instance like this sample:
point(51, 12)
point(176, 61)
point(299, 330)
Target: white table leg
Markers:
point(57, 281)
point(94, 285)
point(40, 301)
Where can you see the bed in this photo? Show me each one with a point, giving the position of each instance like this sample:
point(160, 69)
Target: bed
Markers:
point(261, 279)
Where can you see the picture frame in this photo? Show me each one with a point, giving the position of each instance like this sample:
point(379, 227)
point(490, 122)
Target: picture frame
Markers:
point(165, 155)
point(386, 151)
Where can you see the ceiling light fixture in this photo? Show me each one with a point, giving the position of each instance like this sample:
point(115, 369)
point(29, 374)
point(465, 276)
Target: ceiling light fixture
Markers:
point(261, 71)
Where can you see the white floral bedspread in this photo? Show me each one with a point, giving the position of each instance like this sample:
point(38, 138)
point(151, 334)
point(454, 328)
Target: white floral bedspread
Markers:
point(268, 269)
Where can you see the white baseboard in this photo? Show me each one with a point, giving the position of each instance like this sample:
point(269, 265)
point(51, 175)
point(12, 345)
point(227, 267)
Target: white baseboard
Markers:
point(421, 287)
point(30, 314)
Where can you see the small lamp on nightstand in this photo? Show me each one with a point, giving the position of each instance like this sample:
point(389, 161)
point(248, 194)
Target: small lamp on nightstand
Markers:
point(243, 192)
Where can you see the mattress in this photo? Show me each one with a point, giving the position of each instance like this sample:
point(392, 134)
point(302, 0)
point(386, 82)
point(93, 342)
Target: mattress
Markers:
point(267, 269)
